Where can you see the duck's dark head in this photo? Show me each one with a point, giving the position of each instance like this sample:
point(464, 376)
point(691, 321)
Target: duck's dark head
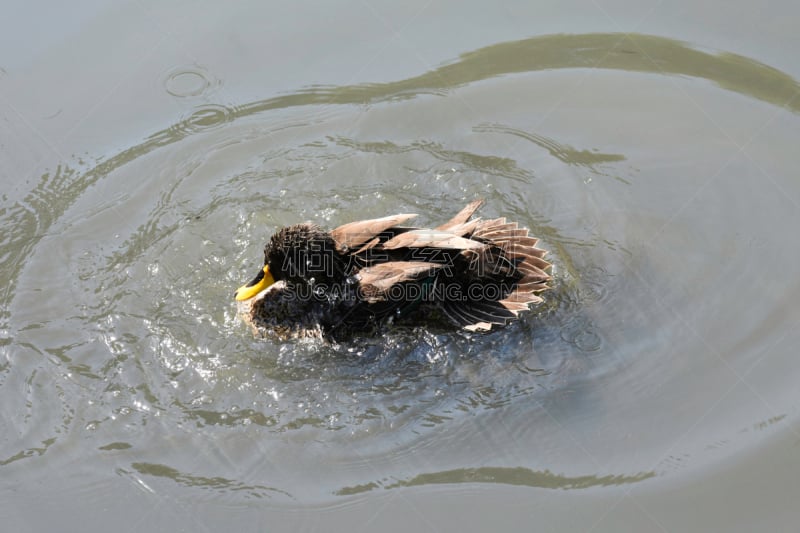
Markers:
point(299, 253)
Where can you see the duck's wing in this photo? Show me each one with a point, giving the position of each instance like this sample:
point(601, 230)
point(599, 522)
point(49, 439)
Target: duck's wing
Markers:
point(529, 260)
point(376, 281)
point(431, 238)
point(513, 253)
point(364, 233)
point(478, 315)
point(461, 217)
point(355, 234)
point(519, 247)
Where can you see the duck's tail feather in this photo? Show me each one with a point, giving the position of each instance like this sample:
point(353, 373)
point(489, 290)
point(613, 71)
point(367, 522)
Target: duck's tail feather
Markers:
point(513, 259)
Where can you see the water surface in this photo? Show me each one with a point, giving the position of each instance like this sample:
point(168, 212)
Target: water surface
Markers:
point(660, 173)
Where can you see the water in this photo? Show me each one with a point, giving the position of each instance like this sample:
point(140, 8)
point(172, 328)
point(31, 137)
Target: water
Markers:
point(660, 172)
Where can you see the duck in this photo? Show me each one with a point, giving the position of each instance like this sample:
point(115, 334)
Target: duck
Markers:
point(469, 273)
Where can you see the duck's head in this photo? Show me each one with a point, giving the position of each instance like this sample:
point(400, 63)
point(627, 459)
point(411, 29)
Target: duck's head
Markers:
point(294, 254)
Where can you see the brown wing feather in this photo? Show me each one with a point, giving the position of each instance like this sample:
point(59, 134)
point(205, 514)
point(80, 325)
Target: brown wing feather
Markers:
point(422, 238)
point(376, 280)
point(466, 228)
point(348, 236)
point(462, 215)
point(532, 286)
point(528, 254)
point(518, 245)
point(460, 317)
point(532, 273)
point(514, 307)
point(370, 244)
point(495, 224)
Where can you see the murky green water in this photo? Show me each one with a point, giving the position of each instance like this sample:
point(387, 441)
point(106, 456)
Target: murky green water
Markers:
point(656, 388)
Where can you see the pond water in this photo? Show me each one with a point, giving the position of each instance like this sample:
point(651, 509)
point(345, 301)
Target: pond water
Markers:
point(150, 149)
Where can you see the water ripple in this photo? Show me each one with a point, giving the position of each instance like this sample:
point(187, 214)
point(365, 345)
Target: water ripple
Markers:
point(118, 332)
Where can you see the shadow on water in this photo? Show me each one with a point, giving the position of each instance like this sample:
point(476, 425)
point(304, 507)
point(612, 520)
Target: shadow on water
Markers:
point(219, 484)
point(507, 476)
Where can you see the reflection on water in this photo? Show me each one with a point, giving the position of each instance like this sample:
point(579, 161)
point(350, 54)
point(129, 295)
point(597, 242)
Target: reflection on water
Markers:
point(509, 476)
point(217, 483)
point(588, 159)
point(121, 343)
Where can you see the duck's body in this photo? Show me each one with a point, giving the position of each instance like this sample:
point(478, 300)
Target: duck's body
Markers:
point(477, 274)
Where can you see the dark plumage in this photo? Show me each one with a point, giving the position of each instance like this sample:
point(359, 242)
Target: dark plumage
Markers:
point(477, 274)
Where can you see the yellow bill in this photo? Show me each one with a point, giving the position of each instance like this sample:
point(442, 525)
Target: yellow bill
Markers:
point(262, 280)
